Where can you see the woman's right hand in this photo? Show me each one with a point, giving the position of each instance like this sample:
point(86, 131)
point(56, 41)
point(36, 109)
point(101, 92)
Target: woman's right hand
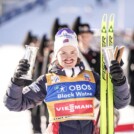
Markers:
point(21, 70)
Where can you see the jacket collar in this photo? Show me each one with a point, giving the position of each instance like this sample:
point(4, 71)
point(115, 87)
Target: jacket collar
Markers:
point(72, 72)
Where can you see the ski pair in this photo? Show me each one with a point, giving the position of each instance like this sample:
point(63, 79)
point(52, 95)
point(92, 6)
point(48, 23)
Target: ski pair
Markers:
point(106, 87)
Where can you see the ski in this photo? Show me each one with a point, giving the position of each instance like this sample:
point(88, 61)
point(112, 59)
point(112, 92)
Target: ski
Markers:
point(103, 85)
point(110, 106)
point(107, 54)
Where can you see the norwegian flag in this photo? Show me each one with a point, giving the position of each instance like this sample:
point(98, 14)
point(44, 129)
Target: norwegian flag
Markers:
point(87, 77)
point(66, 40)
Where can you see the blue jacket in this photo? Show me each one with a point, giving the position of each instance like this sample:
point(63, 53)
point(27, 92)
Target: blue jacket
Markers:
point(19, 98)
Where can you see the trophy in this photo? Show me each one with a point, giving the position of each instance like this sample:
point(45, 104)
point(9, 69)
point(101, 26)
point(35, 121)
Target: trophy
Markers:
point(112, 54)
point(108, 53)
point(30, 55)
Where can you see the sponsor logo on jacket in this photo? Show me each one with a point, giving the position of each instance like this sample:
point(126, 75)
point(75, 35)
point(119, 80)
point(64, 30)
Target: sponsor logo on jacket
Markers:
point(55, 79)
point(67, 108)
point(86, 76)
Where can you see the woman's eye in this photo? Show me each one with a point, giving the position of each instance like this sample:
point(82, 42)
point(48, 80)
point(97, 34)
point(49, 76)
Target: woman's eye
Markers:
point(73, 52)
point(63, 53)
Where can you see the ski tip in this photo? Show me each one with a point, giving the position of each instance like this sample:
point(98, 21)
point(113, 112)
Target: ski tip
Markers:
point(104, 17)
point(112, 17)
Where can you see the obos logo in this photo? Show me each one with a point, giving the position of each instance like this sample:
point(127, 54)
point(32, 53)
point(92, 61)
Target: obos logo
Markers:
point(78, 87)
point(60, 88)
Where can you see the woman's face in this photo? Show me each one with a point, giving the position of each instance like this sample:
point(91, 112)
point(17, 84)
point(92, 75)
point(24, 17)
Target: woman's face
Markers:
point(67, 57)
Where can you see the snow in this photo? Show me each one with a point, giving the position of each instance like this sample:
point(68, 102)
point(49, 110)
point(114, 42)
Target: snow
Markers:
point(11, 122)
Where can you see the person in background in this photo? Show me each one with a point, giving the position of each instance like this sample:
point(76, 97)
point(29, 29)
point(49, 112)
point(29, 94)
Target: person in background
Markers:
point(30, 38)
point(41, 67)
point(131, 69)
point(56, 26)
point(85, 37)
point(68, 89)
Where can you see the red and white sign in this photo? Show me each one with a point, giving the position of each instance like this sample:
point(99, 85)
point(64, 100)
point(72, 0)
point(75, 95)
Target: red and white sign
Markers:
point(74, 107)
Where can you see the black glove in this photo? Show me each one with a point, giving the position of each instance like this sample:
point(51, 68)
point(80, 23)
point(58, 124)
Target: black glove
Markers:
point(22, 69)
point(118, 77)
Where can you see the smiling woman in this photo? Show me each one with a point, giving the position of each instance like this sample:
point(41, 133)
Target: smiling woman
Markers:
point(68, 90)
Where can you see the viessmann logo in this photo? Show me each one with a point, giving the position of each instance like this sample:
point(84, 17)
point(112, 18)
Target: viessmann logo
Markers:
point(68, 108)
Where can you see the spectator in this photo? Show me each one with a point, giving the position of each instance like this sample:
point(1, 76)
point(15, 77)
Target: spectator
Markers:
point(131, 70)
point(85, 37)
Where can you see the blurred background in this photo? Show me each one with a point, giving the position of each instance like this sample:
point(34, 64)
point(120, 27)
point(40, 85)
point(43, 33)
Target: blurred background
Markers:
point(35, 22)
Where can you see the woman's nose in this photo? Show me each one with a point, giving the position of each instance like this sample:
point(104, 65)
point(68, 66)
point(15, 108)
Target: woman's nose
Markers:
point(68, 56)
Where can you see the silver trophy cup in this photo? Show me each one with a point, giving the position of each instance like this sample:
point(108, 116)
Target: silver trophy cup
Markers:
point(30, 55)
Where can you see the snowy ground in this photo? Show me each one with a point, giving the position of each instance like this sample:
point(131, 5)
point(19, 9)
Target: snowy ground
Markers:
point(19, 123)
point(11, 122)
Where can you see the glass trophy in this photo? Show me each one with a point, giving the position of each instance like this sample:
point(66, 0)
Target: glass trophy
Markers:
point(30, 55)
point(112, 54)
point(108, 53)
